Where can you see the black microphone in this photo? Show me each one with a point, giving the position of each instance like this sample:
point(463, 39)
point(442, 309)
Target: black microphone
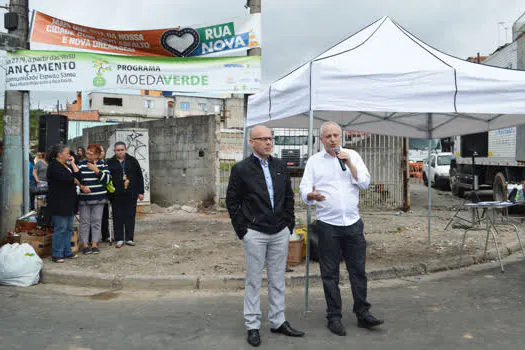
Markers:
point(341, 161)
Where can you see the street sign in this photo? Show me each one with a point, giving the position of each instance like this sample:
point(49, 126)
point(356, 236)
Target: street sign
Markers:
point(10, 42)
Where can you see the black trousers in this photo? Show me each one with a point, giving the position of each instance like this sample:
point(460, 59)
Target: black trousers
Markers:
point(350, 241)
point(124, 210)
point(105, 223)
point(32, 196)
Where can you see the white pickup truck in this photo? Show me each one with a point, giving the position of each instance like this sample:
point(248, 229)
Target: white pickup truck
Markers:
point(438, 172)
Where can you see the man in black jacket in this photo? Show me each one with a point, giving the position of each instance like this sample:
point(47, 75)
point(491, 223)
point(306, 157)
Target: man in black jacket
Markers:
point(127, 178)
point(260, 201)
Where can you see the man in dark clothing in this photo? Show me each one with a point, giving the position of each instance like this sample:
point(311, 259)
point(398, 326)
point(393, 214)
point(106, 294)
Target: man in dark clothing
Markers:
point(129, 186)
point(105, 214)
point(260, 201)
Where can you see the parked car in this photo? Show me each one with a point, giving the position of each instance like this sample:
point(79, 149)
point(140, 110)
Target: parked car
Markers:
point(439, 169)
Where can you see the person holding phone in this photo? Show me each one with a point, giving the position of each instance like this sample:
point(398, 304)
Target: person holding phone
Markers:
point(94, 176)
point(61, 199)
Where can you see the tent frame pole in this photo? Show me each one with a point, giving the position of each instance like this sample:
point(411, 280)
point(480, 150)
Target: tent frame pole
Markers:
point(429, 181)
point(308, 215)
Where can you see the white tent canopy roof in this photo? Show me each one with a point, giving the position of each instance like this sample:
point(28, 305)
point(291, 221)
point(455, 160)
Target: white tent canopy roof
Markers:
point(384, 80)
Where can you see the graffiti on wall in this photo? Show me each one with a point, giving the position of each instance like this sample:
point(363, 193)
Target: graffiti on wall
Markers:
point(136, 146)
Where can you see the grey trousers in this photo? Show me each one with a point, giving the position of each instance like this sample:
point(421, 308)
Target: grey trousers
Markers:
point(261, 248)
point(90, 217)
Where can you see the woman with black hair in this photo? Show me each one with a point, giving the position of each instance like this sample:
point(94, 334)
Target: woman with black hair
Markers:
point(72, 154)
point(62, 177)
point(81, 154)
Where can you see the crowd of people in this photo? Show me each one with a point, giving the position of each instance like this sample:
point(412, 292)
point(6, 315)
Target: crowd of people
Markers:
point(85, 183)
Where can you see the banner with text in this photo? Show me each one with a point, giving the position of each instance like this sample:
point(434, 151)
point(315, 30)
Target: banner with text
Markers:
point(50, 33)
point(81, 71)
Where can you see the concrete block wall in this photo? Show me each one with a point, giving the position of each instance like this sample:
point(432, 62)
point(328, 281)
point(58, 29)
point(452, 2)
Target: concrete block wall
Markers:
point(184, 157)
point(101, 135)
point(234, 112)
point(80, 141)
point(231, 145)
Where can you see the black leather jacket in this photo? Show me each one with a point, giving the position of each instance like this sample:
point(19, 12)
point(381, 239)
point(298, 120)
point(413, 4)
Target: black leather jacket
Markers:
point(62, 195)
point(248, 200)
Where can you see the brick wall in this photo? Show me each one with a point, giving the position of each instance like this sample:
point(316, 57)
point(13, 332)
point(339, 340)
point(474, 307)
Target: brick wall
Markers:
point(91, 115)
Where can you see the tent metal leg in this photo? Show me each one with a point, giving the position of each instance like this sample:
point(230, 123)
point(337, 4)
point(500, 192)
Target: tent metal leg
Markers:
point(309, 230)
point(429, 182)
point(308, 215)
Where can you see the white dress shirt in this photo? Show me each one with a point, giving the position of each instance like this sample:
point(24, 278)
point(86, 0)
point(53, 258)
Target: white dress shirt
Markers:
point(341, 189)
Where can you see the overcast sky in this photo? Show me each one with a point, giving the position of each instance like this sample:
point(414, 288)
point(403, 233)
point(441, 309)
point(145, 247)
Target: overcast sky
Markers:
point(296, 30)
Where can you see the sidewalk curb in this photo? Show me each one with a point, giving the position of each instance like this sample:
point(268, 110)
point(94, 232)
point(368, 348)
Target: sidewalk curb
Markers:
point(142, 282)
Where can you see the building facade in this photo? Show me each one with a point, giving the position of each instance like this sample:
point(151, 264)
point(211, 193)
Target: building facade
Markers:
point(149, 105)
point(511, 55)
point(504, 57)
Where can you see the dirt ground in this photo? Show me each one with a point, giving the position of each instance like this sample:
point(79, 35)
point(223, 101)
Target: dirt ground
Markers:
point(173, 242)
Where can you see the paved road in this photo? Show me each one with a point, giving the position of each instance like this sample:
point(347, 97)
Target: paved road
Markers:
point(472, 309)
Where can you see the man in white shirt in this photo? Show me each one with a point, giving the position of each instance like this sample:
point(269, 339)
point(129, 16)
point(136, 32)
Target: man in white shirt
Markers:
point(335, 192)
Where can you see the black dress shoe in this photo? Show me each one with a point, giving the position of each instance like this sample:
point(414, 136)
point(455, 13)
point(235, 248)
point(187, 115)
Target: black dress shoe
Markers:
point(367, 320)
point(286, 329)
point(337, 327)
point(254, 339)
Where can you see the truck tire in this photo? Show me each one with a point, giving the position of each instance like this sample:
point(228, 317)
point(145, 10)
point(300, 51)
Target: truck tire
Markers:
point(499, 191)
point(425, 180)
point(455, 186)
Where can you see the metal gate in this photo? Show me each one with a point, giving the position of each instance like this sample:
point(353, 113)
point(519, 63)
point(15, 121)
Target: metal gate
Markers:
point(383, 156)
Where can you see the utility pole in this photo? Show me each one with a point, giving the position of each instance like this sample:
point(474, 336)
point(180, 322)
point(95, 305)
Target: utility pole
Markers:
point(255, 7)
point(14, 167)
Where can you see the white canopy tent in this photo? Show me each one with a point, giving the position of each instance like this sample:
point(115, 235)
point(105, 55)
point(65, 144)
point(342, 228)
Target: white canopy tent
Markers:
point(384, 80)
